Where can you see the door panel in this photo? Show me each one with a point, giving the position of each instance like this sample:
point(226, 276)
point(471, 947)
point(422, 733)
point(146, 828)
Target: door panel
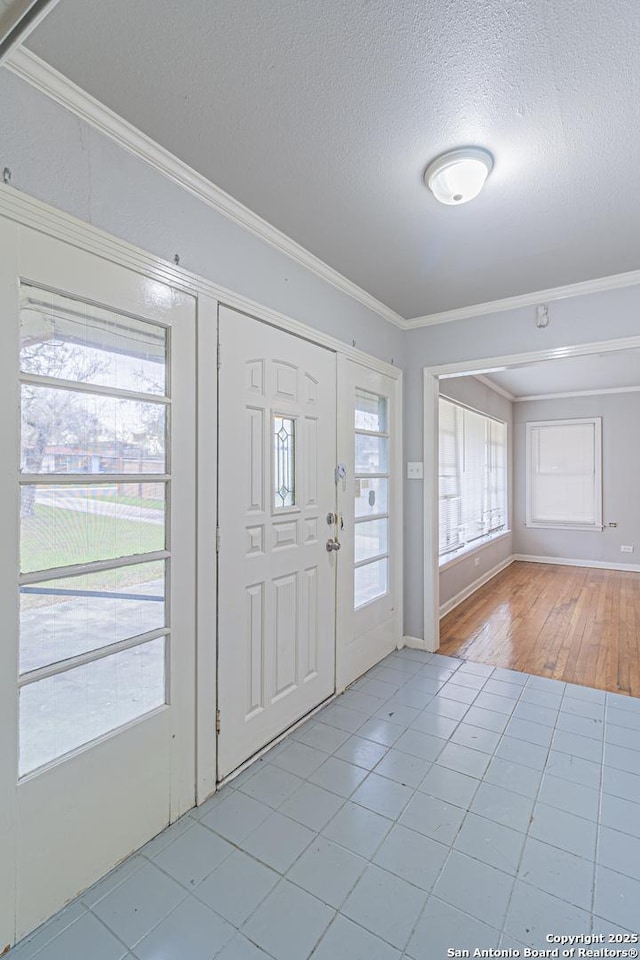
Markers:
point(104, 612)
point(277, 446)
point(369, 621)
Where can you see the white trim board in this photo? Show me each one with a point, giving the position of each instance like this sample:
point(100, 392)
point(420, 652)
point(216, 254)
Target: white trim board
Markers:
point(471, 588)
point(584, 287)
point(472, 368)
point(31, 212)
point(564, 562)
point(414, 643)
point(576, 393)
point(26, 65)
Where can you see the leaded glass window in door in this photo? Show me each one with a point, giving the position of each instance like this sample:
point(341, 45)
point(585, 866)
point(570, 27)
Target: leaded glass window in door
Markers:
point(284, 458)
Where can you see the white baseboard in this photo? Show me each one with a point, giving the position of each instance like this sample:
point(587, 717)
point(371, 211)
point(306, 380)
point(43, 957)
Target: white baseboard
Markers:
point(475, 585)
point(564, 562)
point(413, 643)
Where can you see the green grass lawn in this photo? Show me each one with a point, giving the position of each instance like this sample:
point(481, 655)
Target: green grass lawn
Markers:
point(56, 538)
point(148, 504)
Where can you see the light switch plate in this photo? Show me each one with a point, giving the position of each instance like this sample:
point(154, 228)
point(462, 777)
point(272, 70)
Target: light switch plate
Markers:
point(415, 470)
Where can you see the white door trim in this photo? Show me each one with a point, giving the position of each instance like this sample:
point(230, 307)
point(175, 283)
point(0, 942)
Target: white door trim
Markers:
point(431, 378)
point(9, 466)
point(34, 213)
point(206, 555)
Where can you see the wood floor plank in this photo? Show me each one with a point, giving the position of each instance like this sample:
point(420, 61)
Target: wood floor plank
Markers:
point(578, 624)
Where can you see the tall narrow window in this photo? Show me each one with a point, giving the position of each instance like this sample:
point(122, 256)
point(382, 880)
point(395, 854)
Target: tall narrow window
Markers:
point(371, 554)
point(472, 477)
point(95, 472)
point(564, 474)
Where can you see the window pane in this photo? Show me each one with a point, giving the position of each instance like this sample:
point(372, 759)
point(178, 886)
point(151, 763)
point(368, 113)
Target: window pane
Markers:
point(370, 539)
point(372, 454)
point(284, 444)
point(63, 524)
point(371, 412)
point(69, 340)
point(63, 618)
point(64, 431)
point(371, 581)
point(472, 476)
point(63, 712)
point(371, 496)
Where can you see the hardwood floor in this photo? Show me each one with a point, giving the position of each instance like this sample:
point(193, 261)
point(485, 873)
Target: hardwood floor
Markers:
point(578, 624)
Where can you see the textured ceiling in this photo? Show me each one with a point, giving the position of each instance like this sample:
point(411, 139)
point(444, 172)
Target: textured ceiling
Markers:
point(603, 371)
point(321, 115)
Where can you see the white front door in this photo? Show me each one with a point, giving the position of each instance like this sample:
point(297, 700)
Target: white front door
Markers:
point(369, 500)
point(276, 457)
point(97, 744)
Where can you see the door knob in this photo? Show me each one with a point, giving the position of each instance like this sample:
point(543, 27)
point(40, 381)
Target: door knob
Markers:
point(333, 545)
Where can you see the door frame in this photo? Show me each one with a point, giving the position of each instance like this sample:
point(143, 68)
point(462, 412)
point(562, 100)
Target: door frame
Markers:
point(431, 381)
point(31, 212)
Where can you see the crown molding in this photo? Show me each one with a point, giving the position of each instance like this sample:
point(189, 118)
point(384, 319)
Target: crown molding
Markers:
point(18, 19)
point(577, 393)
point(35, 214)
point(616, 281)
point(494, 386)
point(26, 65)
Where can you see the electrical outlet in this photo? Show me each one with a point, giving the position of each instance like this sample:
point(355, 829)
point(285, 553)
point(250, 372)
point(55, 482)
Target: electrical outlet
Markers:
point(476, 561)
point(626, 549)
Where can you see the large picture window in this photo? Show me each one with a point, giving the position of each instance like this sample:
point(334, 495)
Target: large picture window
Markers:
point(472, 478)
point(564, 474)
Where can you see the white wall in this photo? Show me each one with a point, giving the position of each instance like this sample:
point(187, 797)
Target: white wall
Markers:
point(63, 161)
point(463, 571)
point(574, 320)
point(620, 414)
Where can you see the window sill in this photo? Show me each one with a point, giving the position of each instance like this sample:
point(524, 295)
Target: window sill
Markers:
point(451, 559)
point(594, 527)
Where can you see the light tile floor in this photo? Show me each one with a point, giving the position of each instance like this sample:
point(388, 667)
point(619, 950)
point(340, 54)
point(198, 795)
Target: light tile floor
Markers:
point(435, 804)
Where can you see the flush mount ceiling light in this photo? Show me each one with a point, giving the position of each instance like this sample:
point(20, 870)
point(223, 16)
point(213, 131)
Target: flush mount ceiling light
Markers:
point(459, 175)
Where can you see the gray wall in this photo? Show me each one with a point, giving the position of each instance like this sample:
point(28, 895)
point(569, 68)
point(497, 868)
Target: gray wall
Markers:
point(463, 572)
point(57, 158)
point(574, 320)
point(620, 414)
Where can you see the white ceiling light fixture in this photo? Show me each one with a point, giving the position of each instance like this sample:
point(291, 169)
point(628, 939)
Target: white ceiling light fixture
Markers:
point(458, 175)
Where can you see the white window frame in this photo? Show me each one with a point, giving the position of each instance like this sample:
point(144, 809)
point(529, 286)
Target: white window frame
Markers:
point(533, 427)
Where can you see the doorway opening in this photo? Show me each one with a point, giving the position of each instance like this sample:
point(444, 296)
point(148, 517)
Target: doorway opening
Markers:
point(534, 593)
